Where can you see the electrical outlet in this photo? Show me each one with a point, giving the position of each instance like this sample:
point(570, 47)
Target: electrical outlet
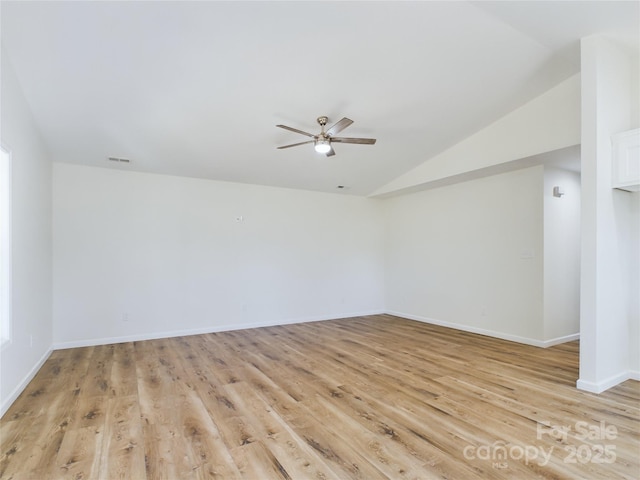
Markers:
point(125, 317)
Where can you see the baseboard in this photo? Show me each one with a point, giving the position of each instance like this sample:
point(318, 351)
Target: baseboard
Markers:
point(490, 333)
point(634, 375)
point(199, 331)
point(559, 340)
point(7, 402)
point(607, 383)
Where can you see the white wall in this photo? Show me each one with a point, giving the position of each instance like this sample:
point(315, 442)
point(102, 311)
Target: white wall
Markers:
point(31, 242)
point(608, 310)
point(561, 254)
point(498, 255)
point(633, 224)
point(634, 287)
point(141, 255)
point(470, 255)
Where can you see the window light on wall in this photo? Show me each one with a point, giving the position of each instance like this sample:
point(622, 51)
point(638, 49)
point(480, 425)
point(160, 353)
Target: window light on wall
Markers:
point(5, 246)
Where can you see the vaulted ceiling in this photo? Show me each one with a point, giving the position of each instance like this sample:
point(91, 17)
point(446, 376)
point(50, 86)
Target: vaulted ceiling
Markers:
point(196, 88)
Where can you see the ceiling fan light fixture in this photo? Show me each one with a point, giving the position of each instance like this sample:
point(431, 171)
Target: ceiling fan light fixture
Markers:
point(322, 145)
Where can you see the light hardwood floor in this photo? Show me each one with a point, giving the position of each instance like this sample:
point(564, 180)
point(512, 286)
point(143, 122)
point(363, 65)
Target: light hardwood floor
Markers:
point(369, 397)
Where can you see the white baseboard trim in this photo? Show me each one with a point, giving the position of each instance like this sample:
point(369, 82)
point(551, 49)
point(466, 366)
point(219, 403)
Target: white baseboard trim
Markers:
point(607, 383)
point(7, 402)
point(199, 331)
point(489, 333)
point(559, 340)
point(634, 375)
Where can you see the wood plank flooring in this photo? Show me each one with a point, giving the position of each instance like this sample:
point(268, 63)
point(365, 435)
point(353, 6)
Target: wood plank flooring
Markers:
point(364, 398)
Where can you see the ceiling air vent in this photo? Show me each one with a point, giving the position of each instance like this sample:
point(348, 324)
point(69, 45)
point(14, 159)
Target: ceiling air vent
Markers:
point(121, 160)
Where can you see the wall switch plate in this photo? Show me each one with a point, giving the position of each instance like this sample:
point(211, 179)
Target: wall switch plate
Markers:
point(527, 254)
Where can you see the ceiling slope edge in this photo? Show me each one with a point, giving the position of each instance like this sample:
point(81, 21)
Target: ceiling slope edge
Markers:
point(548, 123)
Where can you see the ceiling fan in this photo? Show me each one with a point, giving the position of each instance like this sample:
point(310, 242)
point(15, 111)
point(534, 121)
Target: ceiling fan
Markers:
point(322, 141)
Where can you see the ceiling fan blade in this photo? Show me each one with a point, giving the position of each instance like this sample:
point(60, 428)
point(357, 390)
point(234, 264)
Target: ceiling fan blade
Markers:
point(331, 152)
point(339, 126)
point(362, 141)
point(295, 144)
point(296, 130)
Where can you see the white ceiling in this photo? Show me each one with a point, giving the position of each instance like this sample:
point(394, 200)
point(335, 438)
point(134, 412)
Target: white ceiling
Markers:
point(196, 88)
